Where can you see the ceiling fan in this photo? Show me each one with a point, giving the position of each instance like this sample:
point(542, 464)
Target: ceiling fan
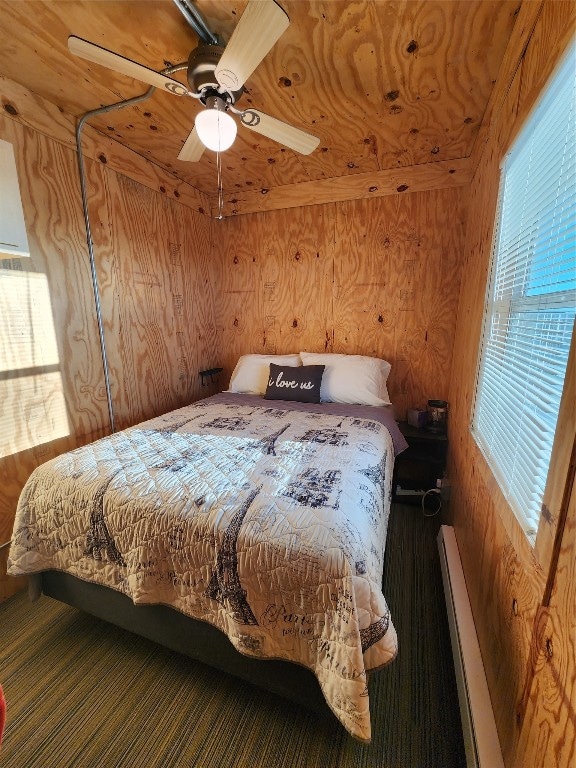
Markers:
point(216, 77)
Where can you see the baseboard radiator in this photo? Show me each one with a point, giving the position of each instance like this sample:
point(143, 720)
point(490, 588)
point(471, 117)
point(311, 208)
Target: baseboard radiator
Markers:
point(478, 725)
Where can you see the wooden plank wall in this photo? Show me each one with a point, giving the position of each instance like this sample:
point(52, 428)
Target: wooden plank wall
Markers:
point(377, 277)
point(157, 301)
point(506, 580)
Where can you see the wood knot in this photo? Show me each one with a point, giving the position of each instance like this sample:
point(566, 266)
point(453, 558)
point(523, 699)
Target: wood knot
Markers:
point(176, 193)
point(11, 109)
point(235, 323)
point(102, 158)
point(235, 259)
point(284, 82)
point(294, 323)
point(392, 95)
point(163, 190)
point(402, 188)
point(380, 319)
point(549, 648)
point(373, 189)
point(412, 46)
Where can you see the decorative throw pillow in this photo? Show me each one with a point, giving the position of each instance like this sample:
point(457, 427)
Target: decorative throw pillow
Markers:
point(288, 383)
point(351, 378)
point(250, 376)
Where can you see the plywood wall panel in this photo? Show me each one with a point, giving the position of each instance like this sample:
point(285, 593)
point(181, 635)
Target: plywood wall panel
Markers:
point(548, 732)
point(192, 298)
point(276, 273)
point(505, 580)
point(140, 235)
point(397, 279)
point(158, 294)
point(377, 277)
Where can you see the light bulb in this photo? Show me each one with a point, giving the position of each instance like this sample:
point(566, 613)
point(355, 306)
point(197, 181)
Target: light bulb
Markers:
point(216, 129)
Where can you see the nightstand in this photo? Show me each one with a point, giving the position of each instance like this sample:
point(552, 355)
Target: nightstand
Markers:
point(418, 467)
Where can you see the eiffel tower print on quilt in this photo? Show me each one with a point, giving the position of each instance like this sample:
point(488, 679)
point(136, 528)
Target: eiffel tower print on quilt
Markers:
point(267, 445)
point(225, 586)
point(98, 538)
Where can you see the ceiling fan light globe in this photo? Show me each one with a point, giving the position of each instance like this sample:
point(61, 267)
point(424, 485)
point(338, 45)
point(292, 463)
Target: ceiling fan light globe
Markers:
point(216, 129)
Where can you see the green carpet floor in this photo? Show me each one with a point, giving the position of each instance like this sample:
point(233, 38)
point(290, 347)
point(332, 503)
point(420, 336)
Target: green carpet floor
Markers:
point(84, 694)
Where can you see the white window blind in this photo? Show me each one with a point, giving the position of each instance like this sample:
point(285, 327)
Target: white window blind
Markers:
point(531, 301)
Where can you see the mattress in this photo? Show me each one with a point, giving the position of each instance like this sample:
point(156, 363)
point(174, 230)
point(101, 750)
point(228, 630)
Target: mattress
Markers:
point(266, 519)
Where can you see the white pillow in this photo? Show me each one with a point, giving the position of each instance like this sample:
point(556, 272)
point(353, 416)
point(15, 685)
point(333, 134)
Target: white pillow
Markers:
point(351, 378)
point(250, 376)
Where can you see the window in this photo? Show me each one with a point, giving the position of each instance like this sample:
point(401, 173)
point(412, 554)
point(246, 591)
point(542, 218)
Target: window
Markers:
point(531, 301)
point(32, 406)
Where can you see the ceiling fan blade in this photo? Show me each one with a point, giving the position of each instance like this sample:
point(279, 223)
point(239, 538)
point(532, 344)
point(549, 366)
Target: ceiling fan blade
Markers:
point(261, 25)
point(285, 134)
point(192, 149)
point(118, 63)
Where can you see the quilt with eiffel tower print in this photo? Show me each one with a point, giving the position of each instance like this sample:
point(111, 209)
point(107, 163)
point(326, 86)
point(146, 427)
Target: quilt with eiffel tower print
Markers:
point(268, 521)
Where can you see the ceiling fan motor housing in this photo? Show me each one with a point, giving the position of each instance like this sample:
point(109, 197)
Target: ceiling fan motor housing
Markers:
point(202, 63)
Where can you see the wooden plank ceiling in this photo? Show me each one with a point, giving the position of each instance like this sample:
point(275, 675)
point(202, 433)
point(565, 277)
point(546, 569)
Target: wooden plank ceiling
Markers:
point(385, 84)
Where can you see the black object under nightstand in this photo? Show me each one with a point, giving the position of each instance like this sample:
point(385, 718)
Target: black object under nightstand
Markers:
point(418, 467)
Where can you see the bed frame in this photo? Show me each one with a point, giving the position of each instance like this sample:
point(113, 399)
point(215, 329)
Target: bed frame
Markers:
point(178, 632)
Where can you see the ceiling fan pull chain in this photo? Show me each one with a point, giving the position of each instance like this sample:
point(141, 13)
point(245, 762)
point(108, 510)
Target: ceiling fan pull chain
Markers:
point(220, 192)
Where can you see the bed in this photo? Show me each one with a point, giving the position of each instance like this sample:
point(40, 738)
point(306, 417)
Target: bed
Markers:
point(244, 530)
